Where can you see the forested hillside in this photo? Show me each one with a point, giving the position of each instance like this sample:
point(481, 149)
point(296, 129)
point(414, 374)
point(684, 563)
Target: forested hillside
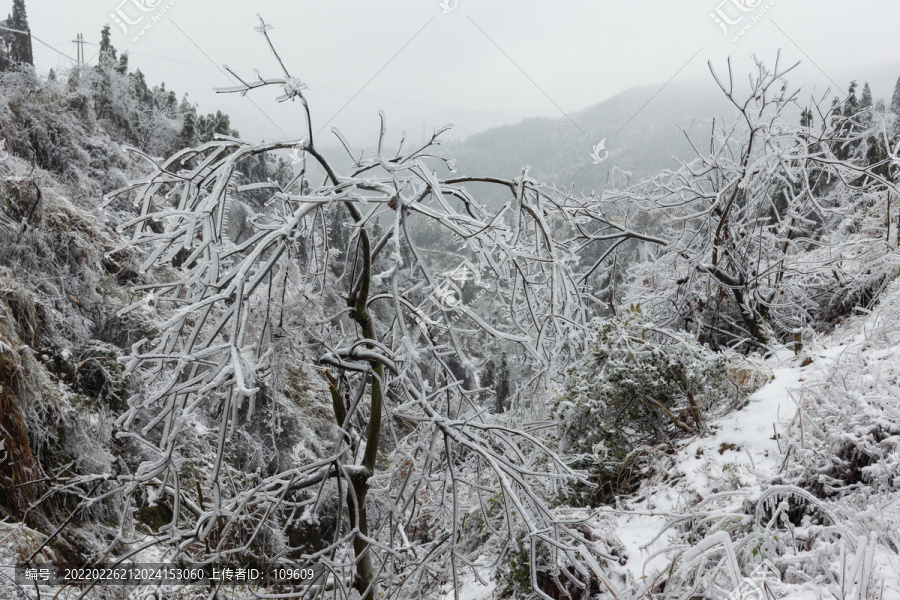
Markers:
point(417, 382)
point(559, 149)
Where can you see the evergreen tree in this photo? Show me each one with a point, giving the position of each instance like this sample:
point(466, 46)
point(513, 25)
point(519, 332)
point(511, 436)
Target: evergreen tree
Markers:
point(845, 120)
point(106, 65)
point(185, 106)
point(141, 89)
point(895, 101)
point(851, 104)
point(122, 67)
point(212, 124)
point(865, 100)
point(188, 136)
point(106, 47)
point(866, 105)
point(172, 104)
point(895, 107)
point(20, 43)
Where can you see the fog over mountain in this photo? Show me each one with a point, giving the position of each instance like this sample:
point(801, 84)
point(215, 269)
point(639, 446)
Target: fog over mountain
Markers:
point(645, 128)
point(559, 150)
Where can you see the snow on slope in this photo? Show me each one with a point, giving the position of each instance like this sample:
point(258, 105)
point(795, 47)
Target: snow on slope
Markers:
point(746, 452)
point(743, 453)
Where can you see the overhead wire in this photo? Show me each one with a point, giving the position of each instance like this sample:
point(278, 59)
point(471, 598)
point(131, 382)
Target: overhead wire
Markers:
point(483, 115)
point(37, 39)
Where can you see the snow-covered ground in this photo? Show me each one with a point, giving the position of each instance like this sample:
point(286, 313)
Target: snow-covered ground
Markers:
point(745, 453)
point(745, 449)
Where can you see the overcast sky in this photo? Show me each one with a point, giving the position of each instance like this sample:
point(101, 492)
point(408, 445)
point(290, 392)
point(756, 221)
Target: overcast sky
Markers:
point(481, 64)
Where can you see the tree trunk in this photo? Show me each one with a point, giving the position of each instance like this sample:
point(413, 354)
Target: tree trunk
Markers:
point(365, 572)
point(750, 317)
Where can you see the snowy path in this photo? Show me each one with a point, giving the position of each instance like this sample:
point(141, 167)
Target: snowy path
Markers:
point(741, 450)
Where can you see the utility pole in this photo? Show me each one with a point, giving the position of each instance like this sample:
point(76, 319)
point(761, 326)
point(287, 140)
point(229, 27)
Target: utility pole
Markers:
point(79, 41)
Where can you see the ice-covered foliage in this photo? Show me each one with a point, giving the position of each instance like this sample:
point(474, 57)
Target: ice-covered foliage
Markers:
point(642, 386)
point(756, 233)
point(350, 369)
point(330, 276)
point(60, 383)
point(845, 436)
point(817, 500)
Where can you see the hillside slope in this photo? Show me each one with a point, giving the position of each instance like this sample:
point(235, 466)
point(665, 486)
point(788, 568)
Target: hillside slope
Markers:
point(66, 280)
point(642, 127)
point(792, 464)
point(806, 475)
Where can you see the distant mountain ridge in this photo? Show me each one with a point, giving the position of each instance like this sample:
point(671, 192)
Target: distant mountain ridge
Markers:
point(642, 127)
point(645, 128)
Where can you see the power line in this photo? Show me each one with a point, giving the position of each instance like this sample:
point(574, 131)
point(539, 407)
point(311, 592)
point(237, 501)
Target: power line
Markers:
point(383, 67)
point(225, 74)
point(37, 39)
point(79, 45)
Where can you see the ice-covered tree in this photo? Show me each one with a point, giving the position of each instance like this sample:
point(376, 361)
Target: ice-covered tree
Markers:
point(418, 475)
point(895, 99)
point(106, 46)
point(851, 102)
point(865, 100)
point(15, 38)
point(750, 235)
point(895, 107)
point(20, 44)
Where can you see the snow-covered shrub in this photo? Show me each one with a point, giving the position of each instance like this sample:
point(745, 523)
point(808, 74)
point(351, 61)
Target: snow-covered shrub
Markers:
point(865, 240)
point(642, 385)
point(36, 124)
point(515, 576)
point(745, 254)
point(99, 375)
point(845, 436)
